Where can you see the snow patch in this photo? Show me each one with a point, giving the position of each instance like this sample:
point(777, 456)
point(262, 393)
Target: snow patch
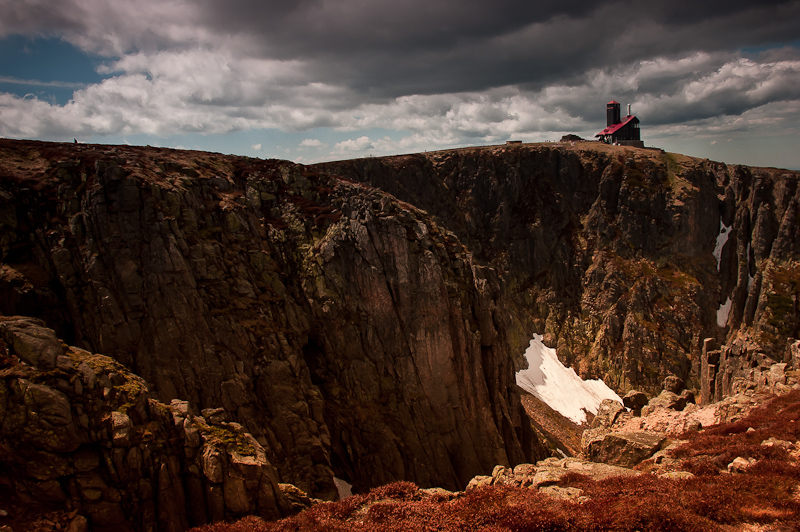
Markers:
point(723, 312)
point(560, 387)
point(722, 238)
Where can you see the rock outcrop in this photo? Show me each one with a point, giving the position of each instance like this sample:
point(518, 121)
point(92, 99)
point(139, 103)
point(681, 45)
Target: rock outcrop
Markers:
point(751, 474)
point(625, 449)
point(625, 259)
point(740, 365)
point(79, 431)
point(364, 319)
point(348, 332)
point(547, 473)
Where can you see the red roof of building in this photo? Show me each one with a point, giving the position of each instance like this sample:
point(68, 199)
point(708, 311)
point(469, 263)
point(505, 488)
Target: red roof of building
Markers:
point(613, 101)
point(610, 130)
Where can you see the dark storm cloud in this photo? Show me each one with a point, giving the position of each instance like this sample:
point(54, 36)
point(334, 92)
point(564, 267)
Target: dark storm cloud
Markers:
point(314, 26)
point(383, 49)
point(441, 72)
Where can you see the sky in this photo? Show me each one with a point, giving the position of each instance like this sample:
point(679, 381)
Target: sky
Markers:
point(316, 80)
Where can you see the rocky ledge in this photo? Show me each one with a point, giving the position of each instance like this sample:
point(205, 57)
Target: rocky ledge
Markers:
point(84, 444)
point(739, 471)
point(627, 436)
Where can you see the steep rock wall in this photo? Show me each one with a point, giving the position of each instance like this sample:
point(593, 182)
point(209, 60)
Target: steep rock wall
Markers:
point(365, 318)
point(79, 431)
point(610, 251)
point(347, 331)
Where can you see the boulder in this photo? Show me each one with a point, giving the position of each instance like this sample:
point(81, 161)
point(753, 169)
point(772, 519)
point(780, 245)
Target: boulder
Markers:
point(32, 341)
point(624, 449)
point(694, 425)
point(688, 395)
point(548, 476)
point(78, 524)
point(213, 464)
point(504, 476)
point(564, 494)
point(120, 429)
point(776, 375)
point(523, 470)
point(438, 493)
point(635, 400)
point(775, 442)
point(297, 499)
point(672, 384)
point(479, 482)
point(597, 471)
point(607, 413)
point(590, 435)
point(50, 424)
point(677, 475)
point(593, 470)
point(665, 399)
point(740, 465)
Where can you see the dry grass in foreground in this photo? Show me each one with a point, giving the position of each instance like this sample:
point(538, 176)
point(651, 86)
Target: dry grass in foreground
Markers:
point(764, 496)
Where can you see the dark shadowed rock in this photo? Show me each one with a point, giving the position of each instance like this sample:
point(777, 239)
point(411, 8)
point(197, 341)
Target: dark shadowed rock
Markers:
point(635, 400)
point(117, 454)
point(78, 524)
point(672, 384)
point(688, 396)
point(31, 341)
point(351, 333)
point(297, 499)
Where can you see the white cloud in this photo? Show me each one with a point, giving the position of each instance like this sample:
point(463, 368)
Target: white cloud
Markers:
point(312, 143)
point(353, 145)
point(256, 147)
point(177, 92)
point(211, 84)
point(108, 28)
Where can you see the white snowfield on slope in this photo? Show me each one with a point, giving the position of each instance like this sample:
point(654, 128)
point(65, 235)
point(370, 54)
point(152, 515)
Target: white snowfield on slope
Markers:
point(559, 387)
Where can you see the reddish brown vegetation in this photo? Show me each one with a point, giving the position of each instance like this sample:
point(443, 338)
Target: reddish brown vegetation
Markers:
point(766, 494)
point(712, 450)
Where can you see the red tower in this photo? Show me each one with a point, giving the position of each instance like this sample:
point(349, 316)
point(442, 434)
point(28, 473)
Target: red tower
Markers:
point(612, 113)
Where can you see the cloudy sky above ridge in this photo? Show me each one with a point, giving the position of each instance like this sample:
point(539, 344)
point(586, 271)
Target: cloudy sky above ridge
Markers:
point(311, 80)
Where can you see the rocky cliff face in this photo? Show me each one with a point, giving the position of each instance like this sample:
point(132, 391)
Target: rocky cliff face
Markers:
point(625, 259)
point(364, 319)
point(346, 330)
point(79, 431)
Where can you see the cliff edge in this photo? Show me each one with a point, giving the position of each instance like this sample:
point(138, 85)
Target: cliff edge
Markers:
point(365, 319)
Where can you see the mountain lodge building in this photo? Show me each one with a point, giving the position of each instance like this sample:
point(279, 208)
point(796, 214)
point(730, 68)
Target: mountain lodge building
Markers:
point(620, 130)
